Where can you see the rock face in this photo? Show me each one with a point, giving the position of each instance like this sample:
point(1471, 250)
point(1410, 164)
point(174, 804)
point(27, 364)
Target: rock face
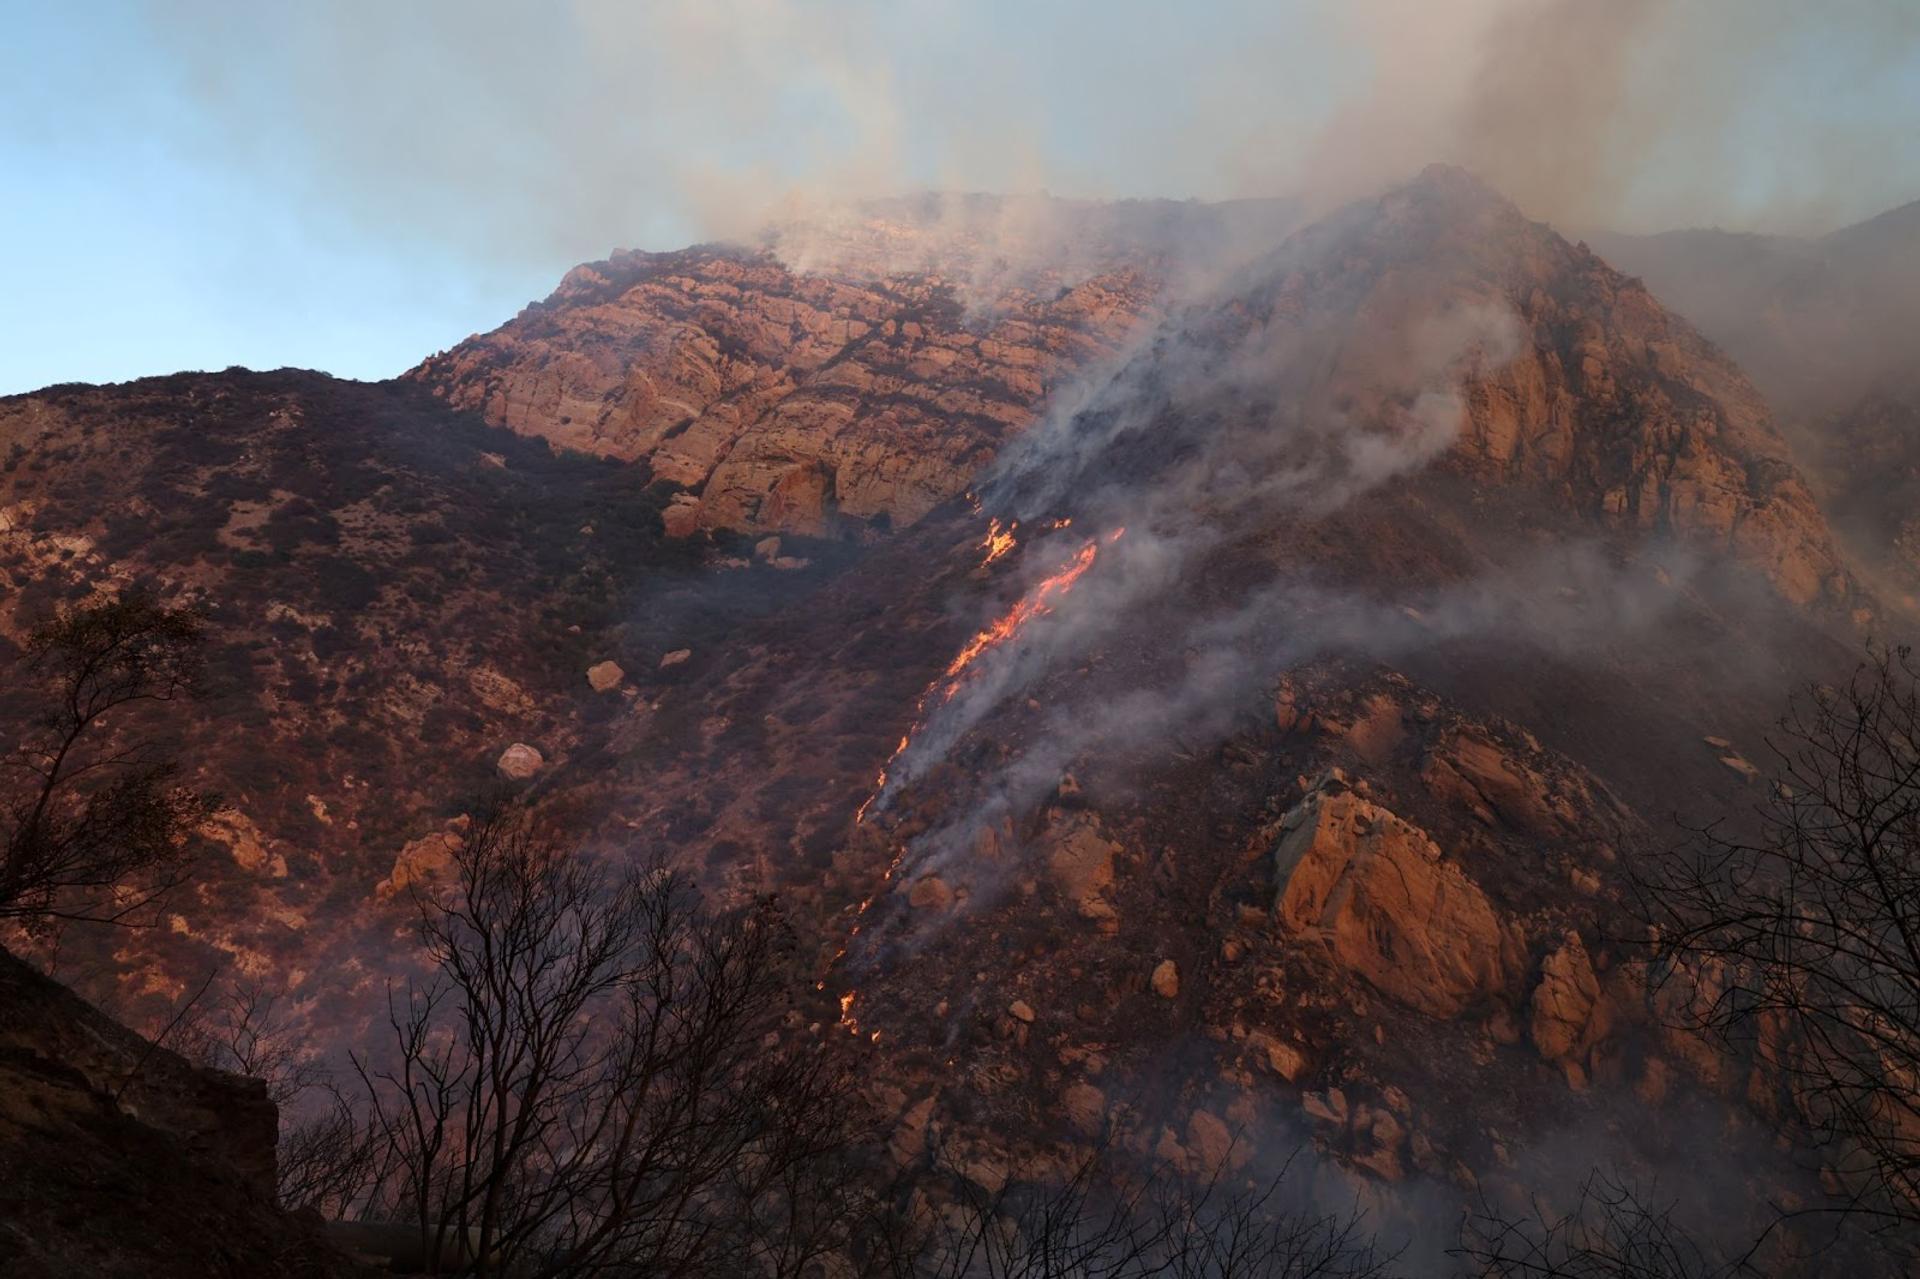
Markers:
point(1376, 890)
point(121, 1159)
point(1566, 1003)
point(1080, 861)
point(1597, 394)
point(802, 402)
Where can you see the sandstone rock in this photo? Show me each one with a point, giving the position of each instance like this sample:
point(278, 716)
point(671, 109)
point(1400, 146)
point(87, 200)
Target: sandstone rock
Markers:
point(1210, 1144)
point(1081, 863)
point(1282, 1058)
point(1479, 775)
point(602, 676)
point(422, 860)
point(799, 401)
point(767, 548)
point(681, 518)
point(930, 893)
point(1166, 979)
point(1086, 1109)
point(676, 657)
point(244, 841)
point(1566, 1003)
point(1377, 891)
point(1327, 1108)
point(519, 762)
point(1020, 1010)
point(909, 1140)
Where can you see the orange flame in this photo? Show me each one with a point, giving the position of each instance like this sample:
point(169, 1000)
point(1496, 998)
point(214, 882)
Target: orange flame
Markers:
point(998, 540)
point(1034, 603)
point(1037, 602)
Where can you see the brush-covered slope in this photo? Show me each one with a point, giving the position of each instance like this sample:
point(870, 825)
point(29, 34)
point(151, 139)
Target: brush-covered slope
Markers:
point(1427, 495)
point(395, 593)
point(1433, 498)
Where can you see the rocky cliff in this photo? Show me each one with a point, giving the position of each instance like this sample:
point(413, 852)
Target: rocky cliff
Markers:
point(118, 1158)
point(799, 402)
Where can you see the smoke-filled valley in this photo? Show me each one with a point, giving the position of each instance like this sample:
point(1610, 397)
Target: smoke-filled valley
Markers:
point(1348, 731)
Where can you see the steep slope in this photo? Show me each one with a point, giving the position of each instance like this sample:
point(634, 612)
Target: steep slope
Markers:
point(1824, 325)
point(1434, 498)
point(1819, 322)
point(396, 593)
point(1427, 495)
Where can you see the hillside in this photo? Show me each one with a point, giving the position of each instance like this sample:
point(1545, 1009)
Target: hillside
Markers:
point(1226, 708)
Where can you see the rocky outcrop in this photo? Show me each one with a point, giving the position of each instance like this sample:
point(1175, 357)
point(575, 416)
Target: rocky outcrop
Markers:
point(1568, 1013)
point(805, 402)
point(1377, 891)
point(122, 1159)
point(1575, 379)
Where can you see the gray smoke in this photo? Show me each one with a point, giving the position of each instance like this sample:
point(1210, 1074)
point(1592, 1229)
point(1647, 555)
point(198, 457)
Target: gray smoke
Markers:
point(555, 132)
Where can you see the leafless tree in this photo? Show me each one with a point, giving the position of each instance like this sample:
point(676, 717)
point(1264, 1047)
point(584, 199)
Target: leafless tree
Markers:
point(327, 1156)
point(1798, 947)
point(599, 1078)
point(1104, 1221)
point(1613, 1232)
point(246, 1031)
point(96, 823)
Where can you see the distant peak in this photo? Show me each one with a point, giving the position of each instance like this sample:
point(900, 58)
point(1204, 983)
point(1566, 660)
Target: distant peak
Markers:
point(1456, 185)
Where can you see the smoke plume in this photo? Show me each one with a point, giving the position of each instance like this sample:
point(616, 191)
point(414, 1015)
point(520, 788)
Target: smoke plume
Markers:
point(559, 131)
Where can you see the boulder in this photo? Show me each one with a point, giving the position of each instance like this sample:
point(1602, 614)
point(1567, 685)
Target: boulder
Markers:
point(1282, 1058)
point(1210, 1144)
point(1020, 1010)
point(930, 893)
point(1376, 890)
point(682, 516)
point(1166, 979)
point(1081, 865)
point(603, 676)
point(1086, 1109)
point(676, 657)
point(421, 860)
point(519, 762)
point(1473, 772)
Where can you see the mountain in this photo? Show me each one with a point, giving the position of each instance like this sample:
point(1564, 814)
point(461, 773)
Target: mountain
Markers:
point(1823, 325)
point(1221, 698)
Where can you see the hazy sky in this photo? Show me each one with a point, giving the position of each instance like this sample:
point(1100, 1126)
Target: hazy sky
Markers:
point(352, 184)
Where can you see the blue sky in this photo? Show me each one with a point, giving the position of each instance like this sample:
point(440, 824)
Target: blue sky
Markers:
point(352, 184)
